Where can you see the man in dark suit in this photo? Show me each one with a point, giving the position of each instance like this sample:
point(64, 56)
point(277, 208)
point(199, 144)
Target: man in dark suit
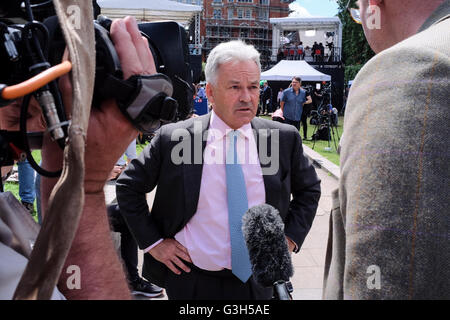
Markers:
point(266, 99)
point(190, 236)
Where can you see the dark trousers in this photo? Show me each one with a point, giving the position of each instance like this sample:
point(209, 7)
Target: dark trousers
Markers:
point(293, 122)
point(129, 253)
point(201, 284)
point(304, 121)
point(266, 107)
point(128, 245)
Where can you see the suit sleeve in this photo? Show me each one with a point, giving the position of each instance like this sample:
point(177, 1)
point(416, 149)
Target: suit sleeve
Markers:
point(140, 178)
point(305, 189)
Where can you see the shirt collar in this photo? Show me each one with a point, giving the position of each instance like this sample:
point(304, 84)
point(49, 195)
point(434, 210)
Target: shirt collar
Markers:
point(218, 124)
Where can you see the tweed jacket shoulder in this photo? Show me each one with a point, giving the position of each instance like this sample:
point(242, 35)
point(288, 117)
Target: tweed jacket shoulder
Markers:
point(390, 230)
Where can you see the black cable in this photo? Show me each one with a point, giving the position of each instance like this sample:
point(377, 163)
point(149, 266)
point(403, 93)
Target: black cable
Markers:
point(3, 27)
point(37, 5)
point(39, 58)
point(26, 99)
point(23, 133)
point(54, 89)
point(28, 10)
point(27, 34)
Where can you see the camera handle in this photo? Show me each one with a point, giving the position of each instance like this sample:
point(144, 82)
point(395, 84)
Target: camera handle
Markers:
point(144, 100)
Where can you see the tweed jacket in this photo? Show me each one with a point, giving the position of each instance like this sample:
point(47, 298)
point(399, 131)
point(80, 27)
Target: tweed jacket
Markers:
point(390, 223)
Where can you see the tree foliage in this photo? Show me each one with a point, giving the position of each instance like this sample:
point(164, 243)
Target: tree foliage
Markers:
point(351, 72)
point(355, 48)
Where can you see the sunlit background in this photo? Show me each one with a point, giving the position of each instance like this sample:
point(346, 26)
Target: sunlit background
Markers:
point(314, 8)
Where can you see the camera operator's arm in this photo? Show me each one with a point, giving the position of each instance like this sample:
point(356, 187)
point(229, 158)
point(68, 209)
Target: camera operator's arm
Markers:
point(10, 121)
point(109, 134)
point(10, 118)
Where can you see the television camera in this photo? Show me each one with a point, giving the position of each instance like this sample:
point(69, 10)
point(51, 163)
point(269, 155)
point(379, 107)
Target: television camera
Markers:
point(31, 48)
point(324, 95)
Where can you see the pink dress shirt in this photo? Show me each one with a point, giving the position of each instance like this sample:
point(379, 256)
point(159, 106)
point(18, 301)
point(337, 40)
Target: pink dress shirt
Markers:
point(206, 236)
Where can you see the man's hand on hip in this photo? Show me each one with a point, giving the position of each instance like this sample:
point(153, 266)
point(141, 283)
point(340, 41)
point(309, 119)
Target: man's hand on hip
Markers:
point(169, 252)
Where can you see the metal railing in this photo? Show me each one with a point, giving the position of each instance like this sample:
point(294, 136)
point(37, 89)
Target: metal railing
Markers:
point(222, 22)
point(332, 55)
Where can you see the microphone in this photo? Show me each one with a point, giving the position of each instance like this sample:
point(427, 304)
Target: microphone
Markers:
point(268, 251)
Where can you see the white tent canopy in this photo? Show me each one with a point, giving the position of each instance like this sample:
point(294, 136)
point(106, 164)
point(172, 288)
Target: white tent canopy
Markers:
point(286, 69)
point(153, 10)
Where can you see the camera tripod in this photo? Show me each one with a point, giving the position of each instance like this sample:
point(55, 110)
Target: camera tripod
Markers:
point(324, 121)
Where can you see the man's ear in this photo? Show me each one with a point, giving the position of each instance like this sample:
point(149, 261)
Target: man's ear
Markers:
point(209, 93)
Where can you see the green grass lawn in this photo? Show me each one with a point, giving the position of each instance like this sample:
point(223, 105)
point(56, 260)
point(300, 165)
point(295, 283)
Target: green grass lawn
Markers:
point(321, 146)
point(140, 147)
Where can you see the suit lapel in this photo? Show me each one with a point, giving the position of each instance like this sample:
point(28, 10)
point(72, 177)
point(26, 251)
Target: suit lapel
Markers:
point(262, 133)
point(193, 172)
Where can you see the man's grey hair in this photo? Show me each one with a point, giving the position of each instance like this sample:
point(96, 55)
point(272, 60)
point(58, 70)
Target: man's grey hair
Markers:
point(235, 50)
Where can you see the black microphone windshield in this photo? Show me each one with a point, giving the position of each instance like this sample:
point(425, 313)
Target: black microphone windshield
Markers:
point(269, 255)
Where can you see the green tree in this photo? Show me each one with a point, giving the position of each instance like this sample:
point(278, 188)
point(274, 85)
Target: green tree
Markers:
point(355, 48)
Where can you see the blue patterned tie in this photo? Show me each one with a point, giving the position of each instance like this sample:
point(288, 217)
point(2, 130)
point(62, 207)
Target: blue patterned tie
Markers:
point(237, 206)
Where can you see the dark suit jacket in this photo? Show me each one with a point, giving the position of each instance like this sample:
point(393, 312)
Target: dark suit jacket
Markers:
point(178, 188)
point(267, 94)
